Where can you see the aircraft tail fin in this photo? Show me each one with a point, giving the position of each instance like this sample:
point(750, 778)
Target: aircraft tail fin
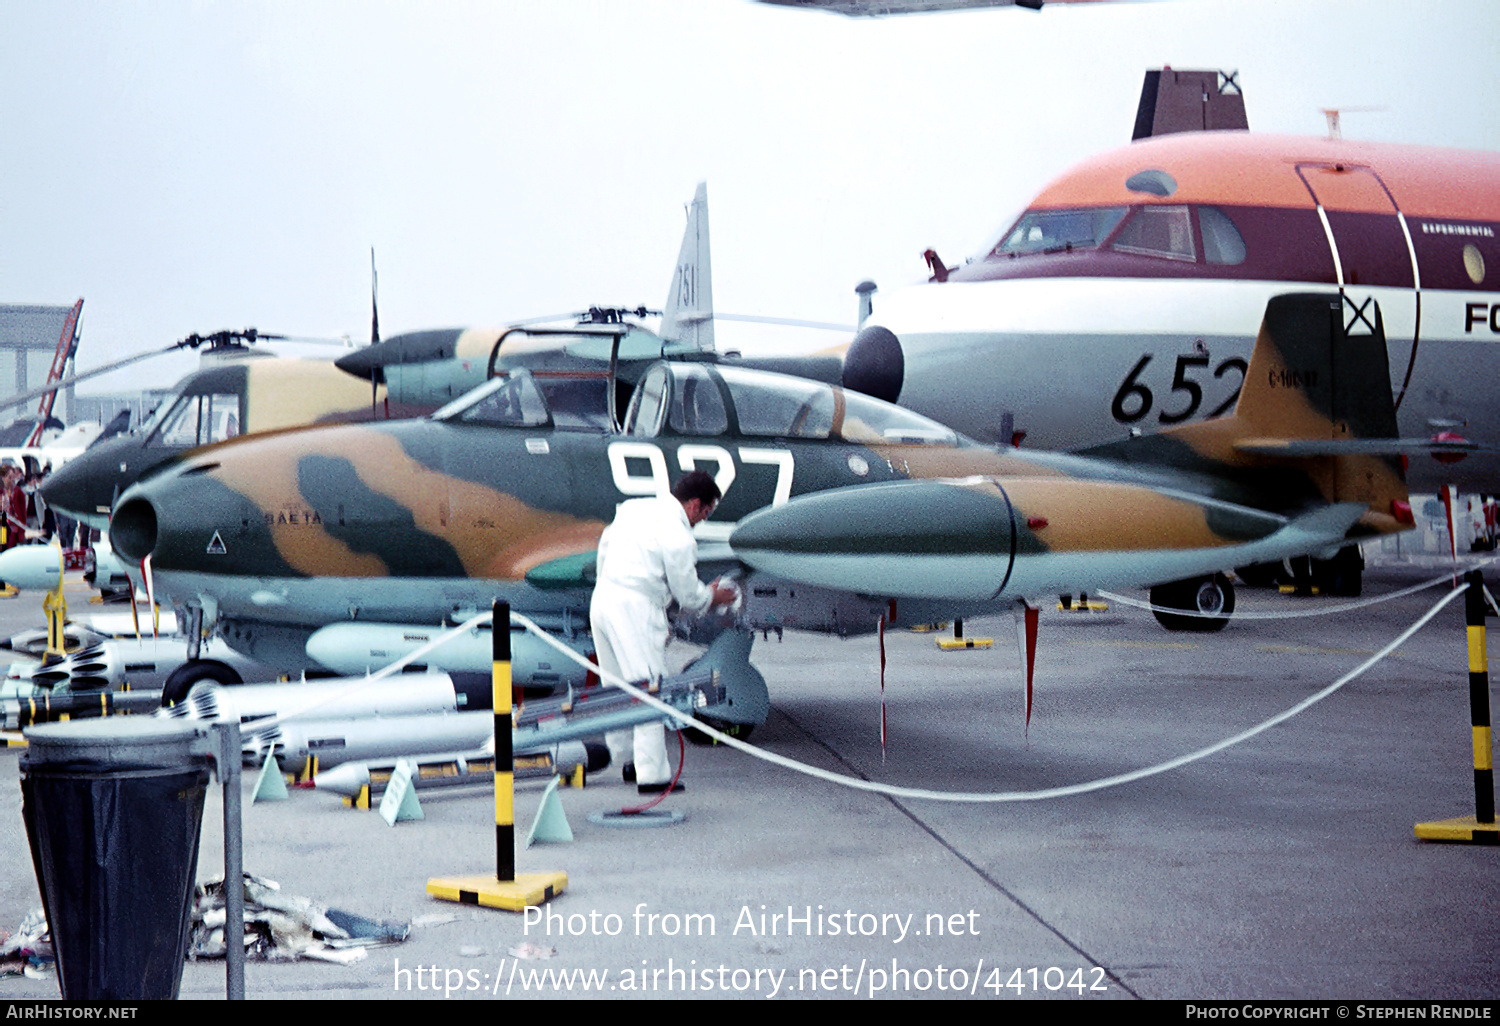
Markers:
point(1316, 375)
point(1316, 403)
point(1189, 101)
point(688, 317)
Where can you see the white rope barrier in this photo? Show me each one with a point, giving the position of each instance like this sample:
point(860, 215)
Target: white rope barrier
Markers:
point(891, 790)
point(982, 797)
point(1491, 599)
point(1345, 607)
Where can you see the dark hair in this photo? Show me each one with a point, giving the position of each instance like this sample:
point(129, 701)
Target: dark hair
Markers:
point(696, 484)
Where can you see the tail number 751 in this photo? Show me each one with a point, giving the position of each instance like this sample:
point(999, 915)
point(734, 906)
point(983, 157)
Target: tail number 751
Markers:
point(1134, 399)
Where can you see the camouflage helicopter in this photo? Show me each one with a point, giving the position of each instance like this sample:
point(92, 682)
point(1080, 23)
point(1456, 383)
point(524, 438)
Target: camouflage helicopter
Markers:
point(866, 510)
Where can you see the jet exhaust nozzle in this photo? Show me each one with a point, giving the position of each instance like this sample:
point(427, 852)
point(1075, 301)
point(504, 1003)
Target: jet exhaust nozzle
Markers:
point(132, 529)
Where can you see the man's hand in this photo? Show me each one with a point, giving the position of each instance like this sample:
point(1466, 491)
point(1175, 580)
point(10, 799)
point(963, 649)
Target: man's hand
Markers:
point(724, 595)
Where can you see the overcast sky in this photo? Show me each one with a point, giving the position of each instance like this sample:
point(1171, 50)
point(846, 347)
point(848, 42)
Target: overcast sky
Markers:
point(189, 166)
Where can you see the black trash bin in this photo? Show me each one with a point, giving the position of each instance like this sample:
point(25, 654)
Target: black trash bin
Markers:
point(113, 809)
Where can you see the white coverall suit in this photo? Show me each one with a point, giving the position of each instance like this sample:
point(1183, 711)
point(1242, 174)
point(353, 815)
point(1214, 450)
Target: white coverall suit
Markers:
point(647, 558)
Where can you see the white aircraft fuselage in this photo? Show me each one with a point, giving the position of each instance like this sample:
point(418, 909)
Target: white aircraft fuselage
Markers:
point(1126, 298)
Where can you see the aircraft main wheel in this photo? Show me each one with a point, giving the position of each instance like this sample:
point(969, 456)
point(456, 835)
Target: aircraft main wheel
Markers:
point(1213, 595)
point(1342, 575)
point(738, 731)
point(182, 679)
point(1259, 575)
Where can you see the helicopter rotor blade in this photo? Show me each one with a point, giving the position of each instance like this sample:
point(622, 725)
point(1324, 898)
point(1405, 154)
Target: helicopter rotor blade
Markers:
point(787, 321)
point(26, 397)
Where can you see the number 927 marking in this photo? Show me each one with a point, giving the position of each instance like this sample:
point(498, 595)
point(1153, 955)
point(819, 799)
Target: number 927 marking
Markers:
point(1134, 399)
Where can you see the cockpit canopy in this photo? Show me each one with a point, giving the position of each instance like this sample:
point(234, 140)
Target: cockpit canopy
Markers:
point(568, 400)
point(695, 399)
point(1159, 230)
point(194, 418)
point(712, 399)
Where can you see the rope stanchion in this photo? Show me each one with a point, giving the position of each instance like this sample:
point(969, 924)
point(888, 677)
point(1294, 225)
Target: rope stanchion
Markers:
point(506, 889)
point(1481, 828)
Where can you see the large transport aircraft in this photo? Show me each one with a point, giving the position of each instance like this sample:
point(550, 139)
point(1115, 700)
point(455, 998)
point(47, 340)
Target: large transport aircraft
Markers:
point(1125, 298)
point(503, 494)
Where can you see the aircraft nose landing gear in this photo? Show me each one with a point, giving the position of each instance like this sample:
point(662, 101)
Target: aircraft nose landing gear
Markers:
point(1208, 595)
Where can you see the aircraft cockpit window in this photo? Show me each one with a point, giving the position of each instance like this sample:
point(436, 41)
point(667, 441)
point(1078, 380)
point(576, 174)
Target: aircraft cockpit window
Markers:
point(1046, 231)
point(577, 403)
point(780, 407)
point(511, 401)
point(697, 408)
point(1222, 241)
point(200, 419)
point(648, 404)
point(174, 417)
point(1160, 232)
point(868, 421)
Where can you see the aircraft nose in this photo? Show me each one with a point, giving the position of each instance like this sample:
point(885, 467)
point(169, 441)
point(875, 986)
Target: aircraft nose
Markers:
point(412, 347)
point(363, 363)
point(86, 486)
point(132, 530)
point(68, 488)
point(875, 364)
point(918, 539)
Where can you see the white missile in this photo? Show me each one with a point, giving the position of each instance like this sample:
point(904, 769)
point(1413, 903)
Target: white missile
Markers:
point(362, 740)
point(32, 567)
point(109, 567)
point(342, 699)
point(474, 767)
point(363, 647)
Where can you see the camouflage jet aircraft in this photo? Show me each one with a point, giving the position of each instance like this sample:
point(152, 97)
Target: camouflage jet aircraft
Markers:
point(503, 494)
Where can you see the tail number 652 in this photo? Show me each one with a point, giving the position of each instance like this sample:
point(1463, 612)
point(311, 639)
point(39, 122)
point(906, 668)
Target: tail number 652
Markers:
point(1134, 399)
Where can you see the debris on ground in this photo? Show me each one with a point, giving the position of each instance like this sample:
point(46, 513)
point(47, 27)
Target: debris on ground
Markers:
point(283, 927)
point(28, 951)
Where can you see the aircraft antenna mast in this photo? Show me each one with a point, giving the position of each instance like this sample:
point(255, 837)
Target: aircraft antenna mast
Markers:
point(1332, 116)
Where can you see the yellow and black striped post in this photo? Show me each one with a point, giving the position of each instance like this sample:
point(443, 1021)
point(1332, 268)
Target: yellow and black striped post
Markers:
point(1479, 700)
point(505, 772)
point(1481, 829)
point(506, 889)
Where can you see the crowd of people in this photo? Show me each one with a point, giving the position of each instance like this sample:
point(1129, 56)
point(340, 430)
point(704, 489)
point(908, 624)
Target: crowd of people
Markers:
point(23, 513)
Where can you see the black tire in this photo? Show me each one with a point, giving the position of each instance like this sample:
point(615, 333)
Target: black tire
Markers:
point(182, 679)
point(1213, 594)
point(1343, 575)
point(1260, 575)
point(738, 731)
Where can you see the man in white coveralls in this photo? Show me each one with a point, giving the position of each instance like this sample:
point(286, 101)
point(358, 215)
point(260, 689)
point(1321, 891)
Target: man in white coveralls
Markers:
point(647, 558)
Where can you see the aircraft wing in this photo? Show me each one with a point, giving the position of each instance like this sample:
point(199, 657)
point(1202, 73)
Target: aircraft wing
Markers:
point(1293, 447)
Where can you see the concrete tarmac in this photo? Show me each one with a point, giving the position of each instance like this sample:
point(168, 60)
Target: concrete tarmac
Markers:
point(1284, 867)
